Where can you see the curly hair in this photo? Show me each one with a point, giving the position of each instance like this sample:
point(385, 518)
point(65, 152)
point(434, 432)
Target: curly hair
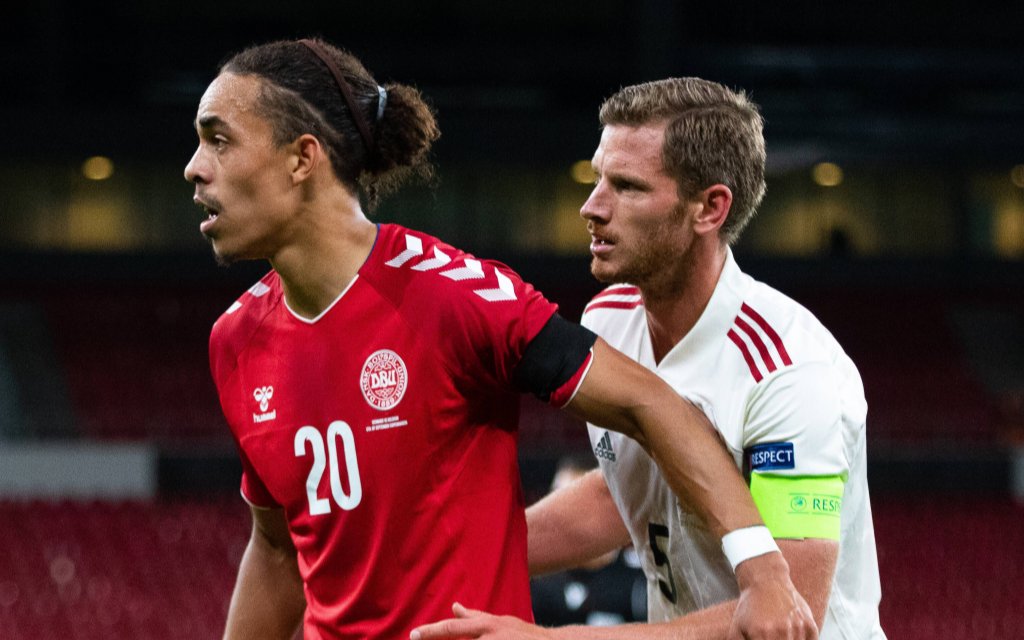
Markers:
point(299, 95)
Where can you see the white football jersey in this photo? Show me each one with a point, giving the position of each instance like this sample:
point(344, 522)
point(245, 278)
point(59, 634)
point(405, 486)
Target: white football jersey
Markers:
point(784, 397)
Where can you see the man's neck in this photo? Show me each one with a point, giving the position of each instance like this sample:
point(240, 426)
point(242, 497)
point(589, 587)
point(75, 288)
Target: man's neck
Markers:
point(672, 313)
point(330, 244)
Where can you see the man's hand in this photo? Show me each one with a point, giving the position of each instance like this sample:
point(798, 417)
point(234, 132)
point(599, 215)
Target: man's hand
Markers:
point(469, 623)
point(769, 605)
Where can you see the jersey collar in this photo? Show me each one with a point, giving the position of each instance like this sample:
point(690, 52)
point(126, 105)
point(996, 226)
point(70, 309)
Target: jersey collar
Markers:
point(718, 316)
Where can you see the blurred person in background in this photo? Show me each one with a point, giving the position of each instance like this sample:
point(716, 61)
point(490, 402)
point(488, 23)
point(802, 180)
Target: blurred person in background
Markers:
point(370, 379)
point(610, 589)
point(679, 173)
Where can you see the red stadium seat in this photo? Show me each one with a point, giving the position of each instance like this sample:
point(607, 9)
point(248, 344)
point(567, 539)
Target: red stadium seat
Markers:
point(118, 570)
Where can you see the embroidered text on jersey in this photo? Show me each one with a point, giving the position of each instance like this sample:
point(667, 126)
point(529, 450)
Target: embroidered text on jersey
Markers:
point(619, 296)
point(471, 269)
point(604, 448)
point(760, 344)
point(384, 379)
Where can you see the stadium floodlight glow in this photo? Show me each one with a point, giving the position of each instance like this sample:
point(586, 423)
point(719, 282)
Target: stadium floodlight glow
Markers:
point(582, 172)
point(98, 168)
point(827, 174)
point(1017, 175)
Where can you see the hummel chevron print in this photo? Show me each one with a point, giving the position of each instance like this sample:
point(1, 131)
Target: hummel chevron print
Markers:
point(471, 270)
point(758, 342)
point(604, 448)
point(257, 290)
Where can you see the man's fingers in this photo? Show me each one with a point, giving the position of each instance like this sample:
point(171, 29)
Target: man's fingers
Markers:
point(451, 628)
point(464, 612)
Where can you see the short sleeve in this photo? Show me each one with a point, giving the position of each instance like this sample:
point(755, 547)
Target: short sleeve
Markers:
point(493, 320)
point(793, 452)
point(794, 424)
point(253, 490)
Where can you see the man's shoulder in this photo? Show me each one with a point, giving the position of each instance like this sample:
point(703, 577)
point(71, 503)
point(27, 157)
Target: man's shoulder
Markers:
point(404, 258)
point(774, 334)
point(236, 326)
point(612, 303)
point(412, 266)
point(793, 322)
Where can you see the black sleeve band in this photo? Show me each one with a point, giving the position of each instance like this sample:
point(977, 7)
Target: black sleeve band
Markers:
point(553, 357)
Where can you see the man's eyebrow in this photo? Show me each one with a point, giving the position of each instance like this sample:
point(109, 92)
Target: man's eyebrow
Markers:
point(207, 122)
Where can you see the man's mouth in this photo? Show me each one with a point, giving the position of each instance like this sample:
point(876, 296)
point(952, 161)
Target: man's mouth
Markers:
point(600, 244)
point(211, 214)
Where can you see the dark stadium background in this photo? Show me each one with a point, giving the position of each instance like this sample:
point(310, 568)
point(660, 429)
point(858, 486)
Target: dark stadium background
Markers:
point(119, 513)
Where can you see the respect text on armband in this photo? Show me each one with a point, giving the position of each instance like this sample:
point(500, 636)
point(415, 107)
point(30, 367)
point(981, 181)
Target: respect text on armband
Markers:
point(771, 456)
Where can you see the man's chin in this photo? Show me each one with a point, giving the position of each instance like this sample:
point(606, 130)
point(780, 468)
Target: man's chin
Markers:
point(223, 258)
point(601, 272)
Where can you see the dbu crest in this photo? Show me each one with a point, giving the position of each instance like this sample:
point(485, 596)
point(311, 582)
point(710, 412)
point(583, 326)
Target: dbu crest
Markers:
point(384, 379)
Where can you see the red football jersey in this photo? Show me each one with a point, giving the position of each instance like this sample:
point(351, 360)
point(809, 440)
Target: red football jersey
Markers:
point(386, 430)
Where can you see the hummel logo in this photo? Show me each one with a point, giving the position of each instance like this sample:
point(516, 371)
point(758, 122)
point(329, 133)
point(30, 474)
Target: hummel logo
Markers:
point(604, 448)
point(263, 395)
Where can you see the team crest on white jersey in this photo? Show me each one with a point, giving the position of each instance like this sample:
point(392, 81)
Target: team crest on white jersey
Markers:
point(262, 395)
point(384, 379)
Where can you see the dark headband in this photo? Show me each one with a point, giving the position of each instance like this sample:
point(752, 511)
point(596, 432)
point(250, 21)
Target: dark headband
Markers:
point(346, 92)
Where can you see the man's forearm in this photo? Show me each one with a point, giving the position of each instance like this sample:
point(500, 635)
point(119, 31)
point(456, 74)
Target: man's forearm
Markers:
point(707, 624)
point(571, 526)
point(620, 394)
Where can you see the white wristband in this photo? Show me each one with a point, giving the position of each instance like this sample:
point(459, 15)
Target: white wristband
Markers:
point(744, 544)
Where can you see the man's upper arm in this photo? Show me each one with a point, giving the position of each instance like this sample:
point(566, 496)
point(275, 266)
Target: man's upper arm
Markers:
point(794, 452)
point(573, 525)
point(271, 526)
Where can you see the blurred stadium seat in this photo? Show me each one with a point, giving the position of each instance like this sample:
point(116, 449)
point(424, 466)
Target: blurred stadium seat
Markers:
point(118, 570)
point(917, 379)
point(950, 566)
point(136, 363)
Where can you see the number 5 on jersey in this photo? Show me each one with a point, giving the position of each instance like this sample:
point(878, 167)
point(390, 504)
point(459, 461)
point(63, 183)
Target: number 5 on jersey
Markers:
point(321, 461)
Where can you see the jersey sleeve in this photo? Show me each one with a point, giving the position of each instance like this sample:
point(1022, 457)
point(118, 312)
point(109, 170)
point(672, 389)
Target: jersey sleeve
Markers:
point(493, 319)
point(477, 315)
point(793, 451)
point(223, 366)
point(799, 406)
point(556, 361)
point(252, 488)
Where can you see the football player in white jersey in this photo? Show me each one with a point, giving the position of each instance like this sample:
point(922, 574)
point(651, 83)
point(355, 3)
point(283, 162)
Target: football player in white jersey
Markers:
point(680, 172)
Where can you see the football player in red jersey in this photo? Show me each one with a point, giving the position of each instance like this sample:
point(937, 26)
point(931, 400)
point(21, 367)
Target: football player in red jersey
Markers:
point(370, 380)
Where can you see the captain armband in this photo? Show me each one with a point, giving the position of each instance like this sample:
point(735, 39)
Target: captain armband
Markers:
point(555, 361)
point(799, 506)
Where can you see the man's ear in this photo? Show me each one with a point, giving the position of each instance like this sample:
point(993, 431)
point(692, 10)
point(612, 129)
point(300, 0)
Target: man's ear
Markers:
point(715, 203)
point(305, 156)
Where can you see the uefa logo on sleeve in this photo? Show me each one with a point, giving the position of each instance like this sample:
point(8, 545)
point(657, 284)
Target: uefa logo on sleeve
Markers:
point(384, 379)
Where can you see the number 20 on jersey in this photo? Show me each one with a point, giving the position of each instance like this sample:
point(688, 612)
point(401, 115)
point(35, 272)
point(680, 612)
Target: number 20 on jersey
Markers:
point(326, 458)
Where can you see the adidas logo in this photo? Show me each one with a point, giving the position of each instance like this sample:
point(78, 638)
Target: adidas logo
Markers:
point(604, 448)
